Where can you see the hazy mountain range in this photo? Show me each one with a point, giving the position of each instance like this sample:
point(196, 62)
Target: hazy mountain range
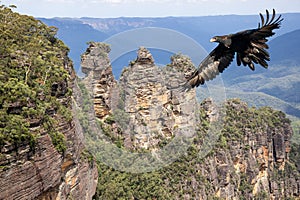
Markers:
point(277, 86)
point(75, 32)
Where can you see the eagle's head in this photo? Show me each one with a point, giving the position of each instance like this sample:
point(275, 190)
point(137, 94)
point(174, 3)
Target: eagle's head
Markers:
point(226, 40)
point(215, 39)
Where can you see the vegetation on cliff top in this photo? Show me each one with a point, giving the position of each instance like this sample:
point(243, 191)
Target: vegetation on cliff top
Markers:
point(32, 79)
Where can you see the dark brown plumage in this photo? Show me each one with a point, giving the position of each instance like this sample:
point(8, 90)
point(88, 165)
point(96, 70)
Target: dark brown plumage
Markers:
point(249, 45)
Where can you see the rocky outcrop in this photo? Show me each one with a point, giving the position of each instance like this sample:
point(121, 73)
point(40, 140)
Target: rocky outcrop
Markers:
point(96, 65)
point(153, 104)
point(157, 108)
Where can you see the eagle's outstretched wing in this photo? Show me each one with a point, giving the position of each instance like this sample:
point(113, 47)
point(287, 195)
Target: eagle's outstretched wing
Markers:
point(254, 42)
point(211, 66)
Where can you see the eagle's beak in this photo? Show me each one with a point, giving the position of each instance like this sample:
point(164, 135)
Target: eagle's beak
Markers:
point(213, 39)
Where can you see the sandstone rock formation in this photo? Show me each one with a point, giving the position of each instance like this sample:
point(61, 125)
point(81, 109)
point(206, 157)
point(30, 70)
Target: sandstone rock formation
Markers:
point(96, 65)
point(157, 108)
point(153, 104)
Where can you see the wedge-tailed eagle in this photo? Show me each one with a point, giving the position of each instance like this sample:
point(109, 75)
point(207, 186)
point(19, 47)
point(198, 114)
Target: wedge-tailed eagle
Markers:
point(249, 46)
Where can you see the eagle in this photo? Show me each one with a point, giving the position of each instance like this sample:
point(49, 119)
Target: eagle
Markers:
point(248, 45)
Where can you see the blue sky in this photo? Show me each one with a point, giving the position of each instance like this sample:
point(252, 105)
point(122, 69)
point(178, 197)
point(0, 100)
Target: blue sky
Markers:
point(148, 8)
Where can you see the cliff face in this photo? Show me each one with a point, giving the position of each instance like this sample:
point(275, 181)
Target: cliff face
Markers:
point(44, 173)
point(42, 155)
point(249, 160)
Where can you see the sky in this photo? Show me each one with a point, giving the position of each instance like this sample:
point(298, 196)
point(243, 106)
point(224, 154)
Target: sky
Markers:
point(148, 8)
